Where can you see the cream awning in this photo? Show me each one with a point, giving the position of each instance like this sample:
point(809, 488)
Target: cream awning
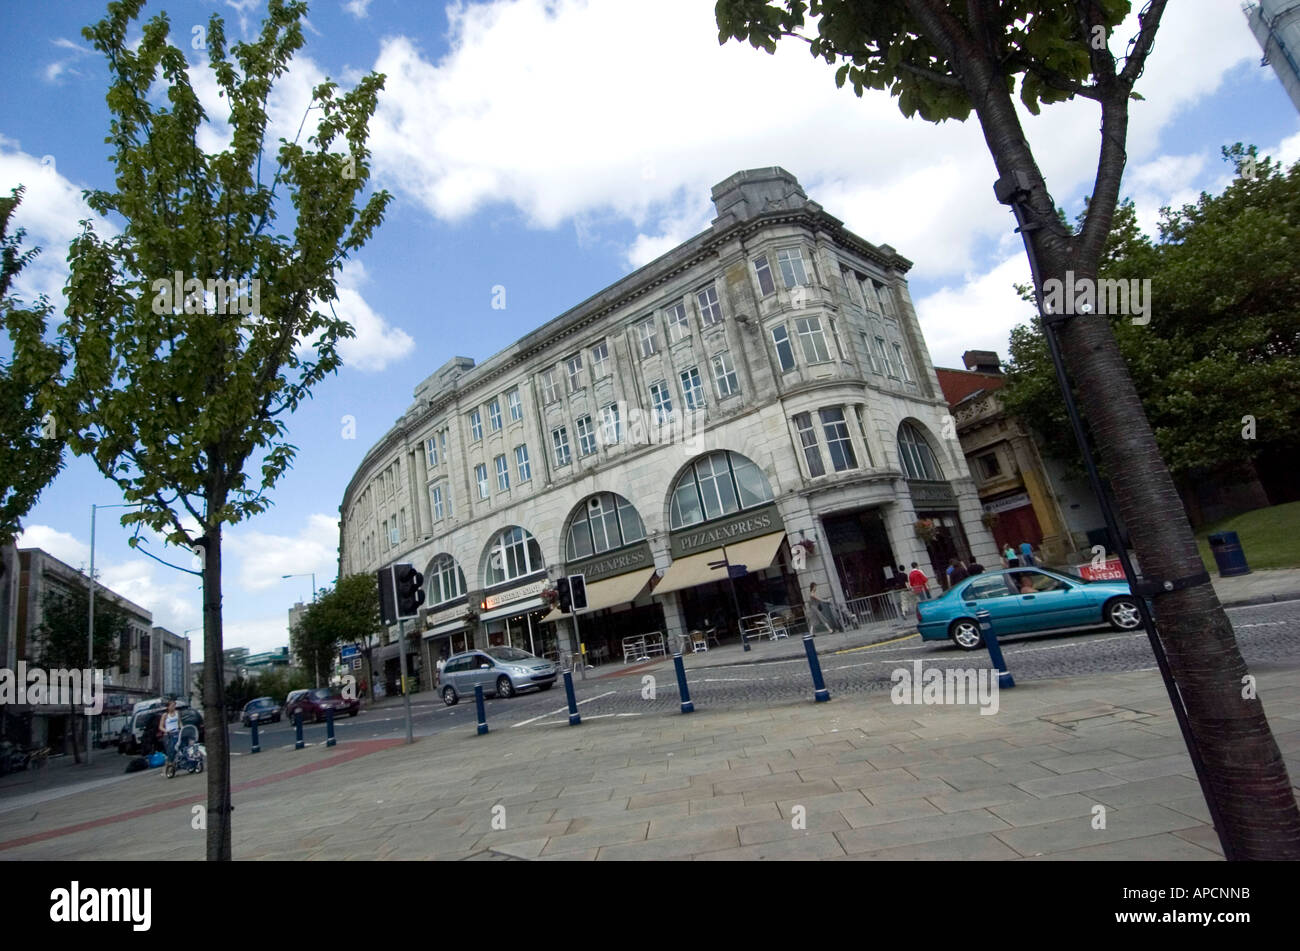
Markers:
point(620, 589)
point(755, 554)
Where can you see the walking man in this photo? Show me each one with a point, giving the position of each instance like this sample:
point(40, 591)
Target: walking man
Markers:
point(1026, 554)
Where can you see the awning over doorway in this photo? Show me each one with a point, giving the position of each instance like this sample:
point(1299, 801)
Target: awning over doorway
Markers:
point(509, 610)
point(621, 589)
point(754, 553)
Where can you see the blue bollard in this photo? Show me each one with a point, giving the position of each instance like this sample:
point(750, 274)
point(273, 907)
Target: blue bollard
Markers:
point(329, 727)
point(257, 747)
point(482, 714)
point(820, 693)
point(574, 719)
point(687, 705)
point(297, 725)
point(1005, 679)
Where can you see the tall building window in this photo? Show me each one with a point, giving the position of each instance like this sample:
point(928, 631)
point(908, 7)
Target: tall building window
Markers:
point(883, 354)
point(599, 360)
point(393, 538)
point(603, 523)
point(724, 375)
point(872, 359)
point(514, 554)
point(480, 476)
point(661, 400)
point(574, 368)
point(764, 273)
point(808, 440)
point(516, 405)
point(522, 464)
point(476, 425)
point(494, 414)
point(560, 443)
point(692, 391)
point(647, 335)
point(870, 300)
point(435, 497)
point(431, 451)
point(679, 325)
point(790, 261)
point(586, 436)
point(902, 363)
point(446, 581)
point(715, 485)
point(915, 456)
point(838, 442)
point(442, 443)
point(550, 392)
point(503, 473)
point(612, 425)
point(710, 306)
point(812, 338)
point(784, 352)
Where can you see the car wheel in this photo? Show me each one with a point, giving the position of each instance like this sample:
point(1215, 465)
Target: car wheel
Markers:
point(449, 696)
point(546, 686)
point(1122, 614)
point(966, 634)
point(352, 713)
point(504, 687)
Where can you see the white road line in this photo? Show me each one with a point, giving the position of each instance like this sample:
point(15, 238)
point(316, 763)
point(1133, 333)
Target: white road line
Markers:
point(563, 709)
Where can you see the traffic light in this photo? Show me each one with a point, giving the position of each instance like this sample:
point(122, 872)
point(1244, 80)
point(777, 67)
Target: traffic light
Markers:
point(578, 592)
point(409, 585)
point(562, 586)
point(387, 597)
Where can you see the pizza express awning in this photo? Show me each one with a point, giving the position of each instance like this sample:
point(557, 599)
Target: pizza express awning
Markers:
point(754, 553)
point(621, 589)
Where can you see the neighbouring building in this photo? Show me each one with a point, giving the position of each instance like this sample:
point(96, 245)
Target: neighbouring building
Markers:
point(1024, 496)
point(1276, 25)
point(761, 394)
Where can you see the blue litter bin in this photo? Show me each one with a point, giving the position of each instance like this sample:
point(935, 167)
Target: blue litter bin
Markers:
point(1228, 554)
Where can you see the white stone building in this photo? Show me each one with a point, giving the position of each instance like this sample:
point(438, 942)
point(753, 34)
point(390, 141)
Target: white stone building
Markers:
point(764, 383)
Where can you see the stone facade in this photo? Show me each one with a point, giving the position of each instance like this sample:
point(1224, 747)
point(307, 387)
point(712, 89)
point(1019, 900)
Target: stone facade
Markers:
point(778, 310)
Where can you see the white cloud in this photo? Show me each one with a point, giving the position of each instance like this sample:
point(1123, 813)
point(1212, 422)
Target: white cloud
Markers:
point(358, 8)
point(264, 558)
point(377, 343)
point(63, 546)
point(975, 315)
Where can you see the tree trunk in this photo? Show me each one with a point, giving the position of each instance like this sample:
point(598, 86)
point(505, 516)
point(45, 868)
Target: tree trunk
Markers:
point(1243, 764)
point(214, 703)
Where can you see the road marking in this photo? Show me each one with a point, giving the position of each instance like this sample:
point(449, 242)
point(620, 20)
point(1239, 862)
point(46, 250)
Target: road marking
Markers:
point(867, 647)
point(563, 709)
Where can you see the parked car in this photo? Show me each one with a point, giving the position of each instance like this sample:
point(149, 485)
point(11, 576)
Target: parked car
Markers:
point(1025, 601)
point(315, 703)
point(110, 732)
point(288, 701)
point(259, 711)
point(143, 732)
point(506, 670)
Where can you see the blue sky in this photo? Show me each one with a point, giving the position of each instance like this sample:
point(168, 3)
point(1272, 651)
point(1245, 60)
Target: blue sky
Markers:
point(551, 148)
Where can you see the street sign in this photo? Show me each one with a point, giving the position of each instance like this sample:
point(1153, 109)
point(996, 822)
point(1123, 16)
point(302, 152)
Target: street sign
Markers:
point(738, 571)
point(350, 651)
point(356, 663)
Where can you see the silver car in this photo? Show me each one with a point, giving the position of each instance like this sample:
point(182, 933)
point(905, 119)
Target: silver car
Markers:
point(505, 670)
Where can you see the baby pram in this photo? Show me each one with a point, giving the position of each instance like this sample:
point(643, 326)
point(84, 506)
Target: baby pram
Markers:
point(189, 754)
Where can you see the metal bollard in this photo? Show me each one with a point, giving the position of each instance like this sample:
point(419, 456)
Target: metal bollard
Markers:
point(257, 747)
point(685, 691)
point(574, 719)
point(820, 693)
point(482, 714)
point(329, 727)
point(297, 725)
point(1005, 679)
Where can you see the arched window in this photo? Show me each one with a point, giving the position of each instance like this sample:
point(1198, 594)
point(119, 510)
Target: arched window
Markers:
point(915, 455)
point(603, 522)
point(444, 580)
point(716, 485)
point(513, 554)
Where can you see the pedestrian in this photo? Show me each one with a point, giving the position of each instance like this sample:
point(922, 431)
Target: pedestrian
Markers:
point(1009, 554)
point(918, 582)
point(169, 728)
point(974, 568)
point(818, 605)
point(441, 662)
point(957, 572)
point(1026, 554)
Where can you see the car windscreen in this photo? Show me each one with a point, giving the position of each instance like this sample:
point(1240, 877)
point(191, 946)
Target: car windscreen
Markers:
point(507, 653)
point(324, 693)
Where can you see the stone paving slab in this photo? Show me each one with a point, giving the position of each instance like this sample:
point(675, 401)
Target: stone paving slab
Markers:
point(858, 778)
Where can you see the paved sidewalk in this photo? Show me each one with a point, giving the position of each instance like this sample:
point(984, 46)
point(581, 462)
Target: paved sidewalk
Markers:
point(869, 779)
point(1258, 587)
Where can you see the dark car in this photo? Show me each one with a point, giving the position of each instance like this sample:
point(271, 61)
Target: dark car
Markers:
point(260, 710)
point(315, 703)
point(143, 737)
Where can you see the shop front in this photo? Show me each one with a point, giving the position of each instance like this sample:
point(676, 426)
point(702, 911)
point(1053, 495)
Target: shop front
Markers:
point(860, 550)
point(1012, 520)
point(619, 604)
point(512, 617)
point(939, 526)
point(448, 630)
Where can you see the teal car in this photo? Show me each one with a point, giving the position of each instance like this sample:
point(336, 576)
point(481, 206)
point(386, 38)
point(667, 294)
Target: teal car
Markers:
point(1025, 601)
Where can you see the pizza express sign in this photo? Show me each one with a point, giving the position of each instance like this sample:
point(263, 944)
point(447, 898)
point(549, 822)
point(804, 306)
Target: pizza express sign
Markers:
point(737, 528)
point(607, 566)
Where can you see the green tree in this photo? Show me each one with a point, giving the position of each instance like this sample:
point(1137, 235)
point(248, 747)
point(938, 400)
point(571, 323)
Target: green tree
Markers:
point(177, 396)
point(946, 60)
point(31, 453)
point(62, 637)
point(348, 613)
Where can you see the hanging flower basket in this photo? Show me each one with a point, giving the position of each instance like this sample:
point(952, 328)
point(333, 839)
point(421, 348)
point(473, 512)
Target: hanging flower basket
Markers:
point(990, 520)
point(551, 596)
point(926, 530)
point(805, 544)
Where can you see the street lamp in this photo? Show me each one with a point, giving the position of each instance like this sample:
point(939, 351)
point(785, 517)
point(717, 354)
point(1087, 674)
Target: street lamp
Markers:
point(310, 574)
point(90, 626)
